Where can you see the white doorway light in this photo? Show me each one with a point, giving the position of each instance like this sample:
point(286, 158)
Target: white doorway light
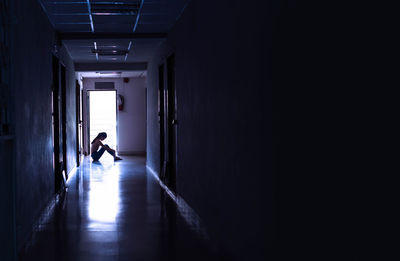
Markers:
point(103, 116)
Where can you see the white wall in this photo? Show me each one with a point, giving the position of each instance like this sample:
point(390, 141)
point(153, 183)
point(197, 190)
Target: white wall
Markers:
point(131, 125)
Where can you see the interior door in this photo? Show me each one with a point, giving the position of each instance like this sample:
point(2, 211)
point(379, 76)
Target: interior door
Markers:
point(172, 122)
point(63, 107)
point(56, 123)
point(78, 121)
point(81, 127)
point(161, 120)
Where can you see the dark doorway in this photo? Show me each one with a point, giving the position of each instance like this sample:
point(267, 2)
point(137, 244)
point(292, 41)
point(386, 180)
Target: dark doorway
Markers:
point(161, 119)
point(56, 123)
point(172, 124)
point(81, 128)
point(78, 122)
point(64, 119)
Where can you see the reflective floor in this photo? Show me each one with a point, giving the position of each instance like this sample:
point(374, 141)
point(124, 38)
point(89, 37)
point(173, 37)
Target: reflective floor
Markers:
point(116, 211)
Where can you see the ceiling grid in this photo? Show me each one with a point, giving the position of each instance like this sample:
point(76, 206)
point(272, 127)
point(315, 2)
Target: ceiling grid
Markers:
point(96, 18)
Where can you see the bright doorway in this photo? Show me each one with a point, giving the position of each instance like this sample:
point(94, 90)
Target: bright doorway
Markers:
point(103, 116)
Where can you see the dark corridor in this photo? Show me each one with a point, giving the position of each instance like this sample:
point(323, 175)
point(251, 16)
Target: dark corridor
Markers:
point(116, 211)
point(237, 121)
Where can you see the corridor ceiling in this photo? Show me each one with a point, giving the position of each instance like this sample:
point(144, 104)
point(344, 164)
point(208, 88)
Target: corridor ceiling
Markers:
point(98, 31)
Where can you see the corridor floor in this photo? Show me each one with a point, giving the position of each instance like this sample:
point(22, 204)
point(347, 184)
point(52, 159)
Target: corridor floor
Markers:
point(116, 211)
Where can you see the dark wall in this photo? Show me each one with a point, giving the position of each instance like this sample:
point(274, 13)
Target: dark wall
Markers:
point(71, 101)
point(7, 141)
point(269, 126)
point(225, 146)
point(7, 239)
point(34, 40)
point(153, 130)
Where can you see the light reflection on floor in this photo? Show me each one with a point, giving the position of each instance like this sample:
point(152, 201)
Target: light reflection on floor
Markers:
point(104, 198)
point(116, 211)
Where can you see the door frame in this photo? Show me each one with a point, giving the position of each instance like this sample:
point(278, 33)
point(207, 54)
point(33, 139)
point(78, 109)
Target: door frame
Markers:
point(172, 122)
point(63, 72)
point(56, 122)
point(161, 119)
point(88, 116)
point(78, 122)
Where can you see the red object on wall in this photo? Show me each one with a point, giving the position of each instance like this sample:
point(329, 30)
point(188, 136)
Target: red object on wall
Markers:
point(126, 80)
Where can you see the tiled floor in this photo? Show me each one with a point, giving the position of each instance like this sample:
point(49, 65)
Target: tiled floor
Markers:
point(116, 211)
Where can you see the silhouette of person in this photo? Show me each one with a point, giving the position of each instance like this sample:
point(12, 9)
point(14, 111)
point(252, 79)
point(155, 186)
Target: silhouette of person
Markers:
point(96, 153)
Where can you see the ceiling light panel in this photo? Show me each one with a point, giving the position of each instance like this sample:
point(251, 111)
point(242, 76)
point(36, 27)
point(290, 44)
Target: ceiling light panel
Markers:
point(111, 58)
point(112, 27)
point(114, 16)
point(110, 52)
point(113, 43)
point(112, 48)
point(113, 19)
point(115, 8)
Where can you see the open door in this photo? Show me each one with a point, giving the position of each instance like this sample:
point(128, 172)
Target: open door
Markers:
point(102, 112)
point(172, 123)
point(161, 119)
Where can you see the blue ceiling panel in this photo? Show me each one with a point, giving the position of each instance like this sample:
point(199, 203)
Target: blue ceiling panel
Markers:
point(67, 19)
point(100, 19)
point(66, 8)
point(76, 27)
point(105, 16)
point(107, 27)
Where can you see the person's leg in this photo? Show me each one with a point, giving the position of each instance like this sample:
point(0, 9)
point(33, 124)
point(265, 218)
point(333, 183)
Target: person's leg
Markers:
point(109, 150)
point(112, 152)
point(97, 155)
point(94, 156)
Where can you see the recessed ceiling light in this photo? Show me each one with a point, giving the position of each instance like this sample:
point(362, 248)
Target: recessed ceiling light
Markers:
point(115, 8)
point(110, 52)
point(110, 73)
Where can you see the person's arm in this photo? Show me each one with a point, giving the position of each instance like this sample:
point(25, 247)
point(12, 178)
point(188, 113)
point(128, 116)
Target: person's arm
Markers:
point(105, 146)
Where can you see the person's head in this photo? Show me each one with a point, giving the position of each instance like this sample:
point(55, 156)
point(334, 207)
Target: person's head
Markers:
point(100, 136)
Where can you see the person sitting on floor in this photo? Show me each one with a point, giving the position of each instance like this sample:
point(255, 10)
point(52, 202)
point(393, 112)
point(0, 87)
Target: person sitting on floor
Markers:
point(96, 153)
